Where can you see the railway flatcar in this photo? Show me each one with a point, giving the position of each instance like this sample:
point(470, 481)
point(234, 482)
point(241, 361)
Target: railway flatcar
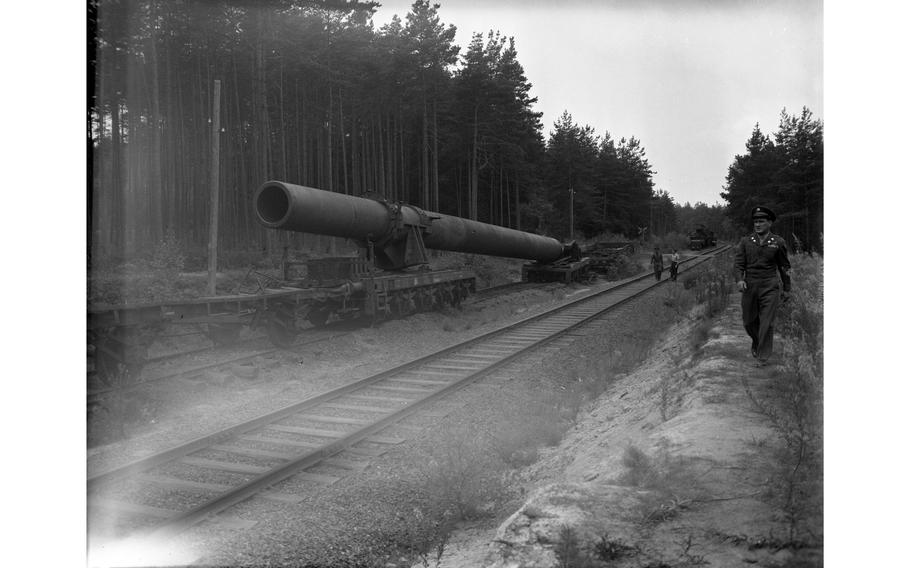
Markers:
point(390, 277)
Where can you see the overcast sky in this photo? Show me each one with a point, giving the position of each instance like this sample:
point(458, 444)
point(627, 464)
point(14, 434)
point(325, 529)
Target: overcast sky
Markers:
point(867, 93)
point(689, 78)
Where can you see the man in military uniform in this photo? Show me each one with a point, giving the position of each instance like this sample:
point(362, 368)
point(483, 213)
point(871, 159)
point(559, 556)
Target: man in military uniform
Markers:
point(760, 258)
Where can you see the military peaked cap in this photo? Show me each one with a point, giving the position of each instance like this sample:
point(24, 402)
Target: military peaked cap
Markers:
point(759, 212)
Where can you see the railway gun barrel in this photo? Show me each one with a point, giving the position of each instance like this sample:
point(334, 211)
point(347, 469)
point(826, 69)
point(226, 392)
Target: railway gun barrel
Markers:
point(397, 232)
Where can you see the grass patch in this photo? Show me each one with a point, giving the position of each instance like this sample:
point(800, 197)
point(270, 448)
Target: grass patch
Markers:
point(408, 517)
point(572, 553)
point(709, 285)
point(464, 477)
point(792, 402)
point(112, 419)
point(521, 434)
point(671, 484)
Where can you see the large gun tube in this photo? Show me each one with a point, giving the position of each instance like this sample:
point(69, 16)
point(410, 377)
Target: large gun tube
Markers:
point(291, 207)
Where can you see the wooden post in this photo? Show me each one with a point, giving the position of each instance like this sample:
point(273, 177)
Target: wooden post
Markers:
point(213, 224)
point(571, 214)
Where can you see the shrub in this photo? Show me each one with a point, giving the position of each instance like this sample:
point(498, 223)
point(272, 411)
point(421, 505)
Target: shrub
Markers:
point(571, 552)
point(620, 267)
point(568, 551)
point(672, 240)
point(110, 420)
point(168, 258)
point(794, 401)
point(525, 430)
point(462, 478)
point(425, 533)
point(640, 471)
point(670, 482)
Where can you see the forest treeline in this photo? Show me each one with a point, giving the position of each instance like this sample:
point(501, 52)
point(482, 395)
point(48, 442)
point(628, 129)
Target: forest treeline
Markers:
point(313, 93)
point(785, 173)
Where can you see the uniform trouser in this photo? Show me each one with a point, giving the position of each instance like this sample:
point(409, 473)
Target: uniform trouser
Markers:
point(658, 272)
point(759, 303)
point(673, 270)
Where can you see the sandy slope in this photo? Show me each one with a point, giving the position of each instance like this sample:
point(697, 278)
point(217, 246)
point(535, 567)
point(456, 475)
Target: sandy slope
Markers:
point(704, 498)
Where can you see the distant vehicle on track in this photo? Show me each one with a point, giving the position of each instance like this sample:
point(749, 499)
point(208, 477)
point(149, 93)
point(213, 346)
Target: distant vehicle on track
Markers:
point(701, 237)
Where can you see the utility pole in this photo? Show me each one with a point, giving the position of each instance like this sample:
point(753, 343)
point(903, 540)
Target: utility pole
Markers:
point(651, 215)
point(571, 214)
point(213, 216)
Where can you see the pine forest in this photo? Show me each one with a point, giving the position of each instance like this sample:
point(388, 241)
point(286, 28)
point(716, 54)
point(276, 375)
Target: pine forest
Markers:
point(312, 92)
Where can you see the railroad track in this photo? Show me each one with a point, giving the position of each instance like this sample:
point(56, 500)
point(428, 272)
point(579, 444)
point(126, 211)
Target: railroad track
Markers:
point(97, 393)
point(161, 495)
point(508, 288)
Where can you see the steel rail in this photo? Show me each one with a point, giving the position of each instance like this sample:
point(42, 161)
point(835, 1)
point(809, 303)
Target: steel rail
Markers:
point(96, 395)
point(309, 459)
point(126, 470)
point(257, 485)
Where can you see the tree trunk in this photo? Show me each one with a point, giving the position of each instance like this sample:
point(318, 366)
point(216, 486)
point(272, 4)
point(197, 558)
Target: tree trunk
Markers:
point(241, 161)
point(297, 127)
point(342, 135)
point(381, 157)
point(390, 153)
point(154, 193)
point(282, 122)
point(403, 191)
point(355, 155)
point(261, 124)
point(425, 158)
point(117, 223)
point(472, 190)
point(502, 200)
point(328, 178)
point(517, 204)
point(101, 183)
point(435, 193)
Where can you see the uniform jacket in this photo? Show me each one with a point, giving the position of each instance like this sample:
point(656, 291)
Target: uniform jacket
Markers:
point(763, 261)
point(657, 261)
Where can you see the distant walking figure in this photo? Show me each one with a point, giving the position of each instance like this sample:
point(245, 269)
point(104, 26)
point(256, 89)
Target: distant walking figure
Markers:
point(674, 265)
point(760, 258)
point(657, 261)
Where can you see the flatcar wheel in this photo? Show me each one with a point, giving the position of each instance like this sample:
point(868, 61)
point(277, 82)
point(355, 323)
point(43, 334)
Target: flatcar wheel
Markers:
point(454, 296)
point(223, 334)
point(461, 293)
point(117, 356)
point(318, 316)
point(281, 328)
point(404, 303)
point(112, 364)
point(425, 300)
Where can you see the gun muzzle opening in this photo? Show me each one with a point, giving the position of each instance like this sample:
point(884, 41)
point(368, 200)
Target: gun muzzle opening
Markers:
point(273, 204)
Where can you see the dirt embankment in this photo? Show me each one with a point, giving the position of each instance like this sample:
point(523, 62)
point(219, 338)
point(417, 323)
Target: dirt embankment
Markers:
point(673, 465)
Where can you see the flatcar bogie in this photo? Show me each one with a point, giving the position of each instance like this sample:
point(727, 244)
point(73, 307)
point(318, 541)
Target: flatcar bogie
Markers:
point(281, 326)
point(117, 355)
point(223, 334)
